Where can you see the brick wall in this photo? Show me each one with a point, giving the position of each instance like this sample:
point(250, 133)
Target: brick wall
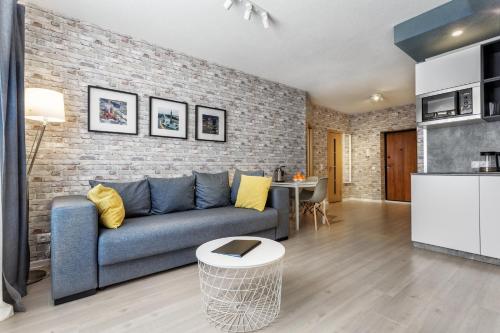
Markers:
point(266, 120)
point(323, 119)
point(367, 144)
point(368, 148)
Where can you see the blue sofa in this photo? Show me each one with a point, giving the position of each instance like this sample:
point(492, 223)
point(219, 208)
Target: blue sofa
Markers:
point(86, 257)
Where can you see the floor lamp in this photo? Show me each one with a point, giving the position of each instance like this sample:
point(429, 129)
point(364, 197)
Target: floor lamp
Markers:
point(45, 106)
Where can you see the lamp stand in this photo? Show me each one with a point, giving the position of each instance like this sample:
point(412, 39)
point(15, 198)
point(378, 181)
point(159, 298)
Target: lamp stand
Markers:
point(36, 144)
point(35, 275)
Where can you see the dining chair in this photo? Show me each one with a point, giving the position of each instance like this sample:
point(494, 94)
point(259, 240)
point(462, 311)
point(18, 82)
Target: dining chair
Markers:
point(311, 179)
point(311, 201)
point(309, 189)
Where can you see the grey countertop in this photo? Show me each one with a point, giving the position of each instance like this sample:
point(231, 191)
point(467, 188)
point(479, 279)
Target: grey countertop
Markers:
point(457, 173)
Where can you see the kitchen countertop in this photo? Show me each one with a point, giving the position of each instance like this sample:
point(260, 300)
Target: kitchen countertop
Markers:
point(456, 173)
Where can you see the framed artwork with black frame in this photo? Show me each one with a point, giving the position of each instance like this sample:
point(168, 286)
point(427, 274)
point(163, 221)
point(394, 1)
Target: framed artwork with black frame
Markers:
point(210, 124)
point(168, 118)
point(112, 111)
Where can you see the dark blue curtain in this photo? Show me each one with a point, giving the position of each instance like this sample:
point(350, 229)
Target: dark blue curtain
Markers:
point(15, 257)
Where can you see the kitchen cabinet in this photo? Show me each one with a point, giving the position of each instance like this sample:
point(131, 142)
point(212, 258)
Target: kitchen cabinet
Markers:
point(450, 70)
point(445, 211)
point(490, 221)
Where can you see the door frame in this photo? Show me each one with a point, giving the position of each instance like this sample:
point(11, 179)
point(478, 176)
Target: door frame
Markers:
point(385, 156)
point(309, 150)
point(330, 200)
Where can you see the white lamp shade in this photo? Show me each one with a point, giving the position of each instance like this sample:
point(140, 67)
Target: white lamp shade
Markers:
point(44, 105)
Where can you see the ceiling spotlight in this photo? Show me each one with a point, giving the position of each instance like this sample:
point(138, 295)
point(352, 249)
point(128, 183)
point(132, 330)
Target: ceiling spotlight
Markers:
point(377, 97)
point(457, 33)
point(248, 11)
point(228, 4)
point(265, 19)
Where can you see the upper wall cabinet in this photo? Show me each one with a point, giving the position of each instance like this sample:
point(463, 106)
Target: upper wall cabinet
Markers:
point(448, 71)
point(491, 80)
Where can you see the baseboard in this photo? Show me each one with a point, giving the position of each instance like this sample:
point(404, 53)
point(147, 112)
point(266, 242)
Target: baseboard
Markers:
point(457, 253)
point(40, 264)
point(398, 202)
point(74, 297)
point(377, 201)
point(362, 199)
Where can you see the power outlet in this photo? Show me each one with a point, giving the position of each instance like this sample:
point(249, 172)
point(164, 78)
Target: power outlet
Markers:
point(475, 165)
point(43, 238)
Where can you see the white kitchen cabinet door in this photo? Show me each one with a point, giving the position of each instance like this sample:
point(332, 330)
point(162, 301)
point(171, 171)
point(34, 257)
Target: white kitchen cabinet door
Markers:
point(445, 211)
point(448, 71)
point(490, 221)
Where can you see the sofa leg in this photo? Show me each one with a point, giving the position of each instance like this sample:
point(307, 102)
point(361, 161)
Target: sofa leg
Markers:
point(74, 297)
point(282, 239)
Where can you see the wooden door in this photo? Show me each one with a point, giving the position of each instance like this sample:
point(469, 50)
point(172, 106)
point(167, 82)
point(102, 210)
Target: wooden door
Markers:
point(334, 163)
point(400, 162)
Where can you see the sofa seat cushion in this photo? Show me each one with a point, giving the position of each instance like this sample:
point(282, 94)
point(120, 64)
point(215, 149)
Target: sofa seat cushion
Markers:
point(156, 234)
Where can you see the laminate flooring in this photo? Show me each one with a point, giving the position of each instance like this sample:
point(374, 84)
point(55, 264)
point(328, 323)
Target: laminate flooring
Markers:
point(361, 274)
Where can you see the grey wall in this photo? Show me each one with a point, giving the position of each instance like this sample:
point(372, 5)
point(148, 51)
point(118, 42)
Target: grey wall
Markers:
point(266, 120)
point(451, 149)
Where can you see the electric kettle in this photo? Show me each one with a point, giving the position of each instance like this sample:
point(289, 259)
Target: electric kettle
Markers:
point(279, 174)
point(490, 162)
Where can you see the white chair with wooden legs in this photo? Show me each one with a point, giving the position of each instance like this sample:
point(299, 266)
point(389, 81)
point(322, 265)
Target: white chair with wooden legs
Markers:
point(312, 201)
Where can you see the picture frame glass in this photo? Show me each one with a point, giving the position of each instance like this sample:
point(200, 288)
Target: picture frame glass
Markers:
point(112, 111)
point(211, 124)
point(168, 118)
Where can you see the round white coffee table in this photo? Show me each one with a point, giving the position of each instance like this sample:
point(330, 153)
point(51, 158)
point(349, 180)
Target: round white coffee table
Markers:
point(241, 294)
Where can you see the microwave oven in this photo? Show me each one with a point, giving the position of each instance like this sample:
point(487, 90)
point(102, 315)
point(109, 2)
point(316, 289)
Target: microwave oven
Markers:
point(450, 105)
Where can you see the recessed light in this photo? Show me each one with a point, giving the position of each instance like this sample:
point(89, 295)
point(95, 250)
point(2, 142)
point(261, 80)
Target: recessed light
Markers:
point(457, 33)
point(377, 97)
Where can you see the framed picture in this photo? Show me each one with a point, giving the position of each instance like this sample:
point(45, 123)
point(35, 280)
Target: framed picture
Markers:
point(112, 111)
point(210, 124)
point(168, 118)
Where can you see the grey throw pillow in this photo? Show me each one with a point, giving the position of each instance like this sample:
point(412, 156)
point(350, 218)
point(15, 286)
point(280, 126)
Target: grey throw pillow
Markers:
point(212, 190)
point(135, 195)
point(237, 180)
point(171, 194)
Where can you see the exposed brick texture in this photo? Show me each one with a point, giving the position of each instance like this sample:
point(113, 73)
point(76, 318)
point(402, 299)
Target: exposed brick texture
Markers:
point(322, 120)
point(367, 144)
point(266, 120)
point(368, 148)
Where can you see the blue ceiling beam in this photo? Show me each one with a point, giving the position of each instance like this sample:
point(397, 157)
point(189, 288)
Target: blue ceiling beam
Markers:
point(429, 34)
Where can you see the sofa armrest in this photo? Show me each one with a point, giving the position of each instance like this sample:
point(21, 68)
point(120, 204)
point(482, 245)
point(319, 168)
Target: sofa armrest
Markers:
point(74, 227)
point(279, 198)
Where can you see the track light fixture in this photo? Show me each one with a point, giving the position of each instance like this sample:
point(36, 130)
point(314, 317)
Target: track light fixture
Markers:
point(228, 4)
point(265, 19)
point(250, 8)
point(248, 11)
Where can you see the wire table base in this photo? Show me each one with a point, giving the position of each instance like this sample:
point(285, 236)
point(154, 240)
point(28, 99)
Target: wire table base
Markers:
point(241, 299)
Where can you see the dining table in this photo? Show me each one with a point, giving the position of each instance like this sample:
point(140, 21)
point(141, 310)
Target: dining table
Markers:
point(296, 186)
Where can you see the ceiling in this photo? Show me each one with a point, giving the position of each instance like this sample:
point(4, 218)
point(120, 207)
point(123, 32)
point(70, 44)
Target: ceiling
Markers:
point(339, 51)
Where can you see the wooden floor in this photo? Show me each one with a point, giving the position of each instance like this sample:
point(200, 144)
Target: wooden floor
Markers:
point(359, 275)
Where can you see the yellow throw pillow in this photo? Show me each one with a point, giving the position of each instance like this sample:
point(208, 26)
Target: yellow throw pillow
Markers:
point(109, 205)
point(253, 192)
